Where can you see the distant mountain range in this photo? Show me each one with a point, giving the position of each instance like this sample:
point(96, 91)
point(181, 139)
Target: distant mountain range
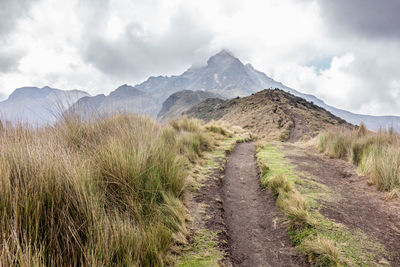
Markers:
point(38, 106)
point(224, 75)
point(124, 99)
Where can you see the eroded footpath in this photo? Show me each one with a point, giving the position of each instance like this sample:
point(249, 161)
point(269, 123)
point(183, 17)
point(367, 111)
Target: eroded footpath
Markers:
point(256, 232)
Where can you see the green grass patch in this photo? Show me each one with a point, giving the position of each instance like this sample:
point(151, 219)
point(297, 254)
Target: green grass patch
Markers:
point(202, 251)
point(325, 242)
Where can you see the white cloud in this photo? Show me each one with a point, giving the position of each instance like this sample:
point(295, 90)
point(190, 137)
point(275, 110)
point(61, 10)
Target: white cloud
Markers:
point(98, 45)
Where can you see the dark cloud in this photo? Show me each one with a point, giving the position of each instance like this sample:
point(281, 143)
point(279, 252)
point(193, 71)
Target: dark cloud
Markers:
point(9, 60)
point(371, 18)
point(137, 53)
point(11, 11)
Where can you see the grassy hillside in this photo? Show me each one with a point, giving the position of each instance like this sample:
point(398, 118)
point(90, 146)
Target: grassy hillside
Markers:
point(100, 193)
point(377, 155)
point(182, 101)
point(270, 114)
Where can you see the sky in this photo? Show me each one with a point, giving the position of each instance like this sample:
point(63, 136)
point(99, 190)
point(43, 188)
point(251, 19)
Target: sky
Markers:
point(344, 52)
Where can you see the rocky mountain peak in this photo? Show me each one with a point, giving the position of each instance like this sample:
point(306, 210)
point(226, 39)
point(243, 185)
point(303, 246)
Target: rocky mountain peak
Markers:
point(29, 92)
point(126, 90)
point(223, 58)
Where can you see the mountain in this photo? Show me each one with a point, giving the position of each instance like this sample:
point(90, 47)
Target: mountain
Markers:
point(124, 99)
point(182, 101)
point(373, 123)
point(37, 106)
point(273, 114)
point(229, 77)
point(223, 74)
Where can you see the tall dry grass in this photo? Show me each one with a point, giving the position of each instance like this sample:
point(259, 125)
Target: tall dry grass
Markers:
point(105, 192)
point(377, 155)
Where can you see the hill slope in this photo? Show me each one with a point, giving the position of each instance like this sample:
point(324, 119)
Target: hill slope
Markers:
point(227, 76)
point(38, 106)
point(223, 74)
point(124, 99)
point(182, 101)
point(273, 114)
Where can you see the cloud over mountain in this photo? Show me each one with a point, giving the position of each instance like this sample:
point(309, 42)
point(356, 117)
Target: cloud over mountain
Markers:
point(345, 53)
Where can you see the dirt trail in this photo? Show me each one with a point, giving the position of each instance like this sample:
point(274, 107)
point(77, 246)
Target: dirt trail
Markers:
point(299, 128)
point(256, 235)
point(357, 205)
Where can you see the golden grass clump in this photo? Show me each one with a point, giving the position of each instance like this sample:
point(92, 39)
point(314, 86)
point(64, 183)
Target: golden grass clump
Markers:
point(377, 155)
point(105, 192)
point(362, 130)
point(290, 201)
point(322, 251)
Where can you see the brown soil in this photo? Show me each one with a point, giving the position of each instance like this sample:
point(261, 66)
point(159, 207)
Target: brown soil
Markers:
point(356, 204)
point(257, 235)
point(299, 128)
point(207, 210)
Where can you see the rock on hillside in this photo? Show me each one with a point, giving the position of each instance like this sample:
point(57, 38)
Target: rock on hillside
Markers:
point(182, 101)
point(274, 114)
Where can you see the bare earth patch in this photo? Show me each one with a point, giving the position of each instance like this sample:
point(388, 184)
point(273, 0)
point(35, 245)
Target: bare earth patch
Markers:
point(355, 204)
point(256, 233)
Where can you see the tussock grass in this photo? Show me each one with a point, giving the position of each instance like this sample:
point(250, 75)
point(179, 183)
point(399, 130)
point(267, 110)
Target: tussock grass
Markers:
point(325, 242)
point(219, 128)
point(105, 192)
point(377, 155)
point(322, 251)
point(289, 200)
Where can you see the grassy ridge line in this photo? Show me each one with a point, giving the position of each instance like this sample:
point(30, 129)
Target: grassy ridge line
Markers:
point(204, 248)
point(107, 192)
point(377, 155)
point(322, 240)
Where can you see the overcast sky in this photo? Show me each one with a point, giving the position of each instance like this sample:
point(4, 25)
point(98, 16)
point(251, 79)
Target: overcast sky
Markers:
point(345, 52)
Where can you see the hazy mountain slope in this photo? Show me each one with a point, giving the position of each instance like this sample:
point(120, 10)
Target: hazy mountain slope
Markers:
point(223, 74)
point(37, 106)
point(274, 114)
point(228, 76)
point(182, 101)
point(124, 99)
point(372, 122)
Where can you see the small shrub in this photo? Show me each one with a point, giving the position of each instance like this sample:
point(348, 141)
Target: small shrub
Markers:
point(296, 209)
point(186, 124)
point(358, 149)
point(385, 171)
point(279, 183)
point(362, 130)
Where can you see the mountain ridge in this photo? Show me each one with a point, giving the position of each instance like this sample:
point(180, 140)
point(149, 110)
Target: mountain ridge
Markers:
point(223, 74)
point(272, 114)
point(177, 103)
point(38, 106)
